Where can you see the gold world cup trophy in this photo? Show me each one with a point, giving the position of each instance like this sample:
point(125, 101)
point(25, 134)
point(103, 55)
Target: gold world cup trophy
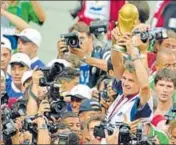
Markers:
point(127, 19)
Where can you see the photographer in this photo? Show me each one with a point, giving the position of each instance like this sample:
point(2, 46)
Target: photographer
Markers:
point(72, 120)
point(90, 124)
point(96, 58)
point(77, 94)
point(169, 43)
point(68, 79)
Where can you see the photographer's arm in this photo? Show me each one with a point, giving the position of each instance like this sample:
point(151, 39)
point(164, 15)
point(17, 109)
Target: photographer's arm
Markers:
point(32, 106)
point(43, 133)
point(99, 63)
point(17, 21)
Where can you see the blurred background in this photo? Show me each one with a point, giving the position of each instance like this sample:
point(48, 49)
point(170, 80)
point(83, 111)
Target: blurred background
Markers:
point(58, 21)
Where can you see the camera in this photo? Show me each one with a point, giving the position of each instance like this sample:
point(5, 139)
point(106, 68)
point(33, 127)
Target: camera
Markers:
point(4, 98)
point(65, 138)
point(157, 34)
point(28, 125)
point(50, 73)
point(124, 131)
point(71, 39)
point(99, 130)
point(57, 104)
point(19, 108)
point(97, 27)
point(124, 134)
point(104, 94)
point(9, 128)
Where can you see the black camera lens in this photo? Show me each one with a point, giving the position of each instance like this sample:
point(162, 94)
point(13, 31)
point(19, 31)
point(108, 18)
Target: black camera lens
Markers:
point(73, 42)
point(58, 106)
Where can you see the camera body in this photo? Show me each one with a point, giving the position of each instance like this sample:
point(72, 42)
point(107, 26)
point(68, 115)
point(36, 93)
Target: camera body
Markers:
point(124, 134)
point(97, 27)
point(99, 130)
point(104, 94)
point(57, 104)
point(157, 34)
point(50, 73)
point(9, 128)
point(71, 39)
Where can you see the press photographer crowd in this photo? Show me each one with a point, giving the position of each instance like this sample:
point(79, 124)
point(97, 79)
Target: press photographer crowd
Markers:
point(113, 80)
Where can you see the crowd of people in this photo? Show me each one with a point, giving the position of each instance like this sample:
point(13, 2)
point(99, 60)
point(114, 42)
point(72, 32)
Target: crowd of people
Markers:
point(113, 81)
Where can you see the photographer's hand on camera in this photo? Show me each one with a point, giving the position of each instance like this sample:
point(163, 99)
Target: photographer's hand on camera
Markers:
point(62, 48)
point(138, 43)
point(44, 107)
point(112, 139)
point(34, 93)
point(111, 93)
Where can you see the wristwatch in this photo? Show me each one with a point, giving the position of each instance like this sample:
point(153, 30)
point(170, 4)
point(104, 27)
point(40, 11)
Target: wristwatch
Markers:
point(84, 58)
point(44, 126)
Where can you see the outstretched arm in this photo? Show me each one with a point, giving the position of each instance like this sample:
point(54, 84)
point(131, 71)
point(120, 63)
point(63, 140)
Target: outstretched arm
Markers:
point(17, 21)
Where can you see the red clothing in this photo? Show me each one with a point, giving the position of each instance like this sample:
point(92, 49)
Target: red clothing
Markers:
point(11, 101)
point(151, 57)
point(157, 119)
point(158, 20)
point(115, 6)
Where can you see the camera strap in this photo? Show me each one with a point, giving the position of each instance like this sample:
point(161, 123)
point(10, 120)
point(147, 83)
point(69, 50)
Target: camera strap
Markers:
point(34, 96)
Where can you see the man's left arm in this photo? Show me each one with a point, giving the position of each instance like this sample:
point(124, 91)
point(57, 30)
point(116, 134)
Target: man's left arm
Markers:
point(38, 9)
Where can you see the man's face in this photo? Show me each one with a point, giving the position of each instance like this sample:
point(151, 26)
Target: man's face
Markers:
point(74, 124)
point(2, 85)
point(75, 104)
point(130, 84)
point(168, 61)
point(91, 126)
point(169, 43)
point(5, 58)
point(164, 90)
point(67, 85)
point(85, 42)
point(86, 115)
point(17, 71)
point(25, 47)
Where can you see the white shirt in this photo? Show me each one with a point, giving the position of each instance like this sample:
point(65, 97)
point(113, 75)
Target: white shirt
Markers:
point(129, 108)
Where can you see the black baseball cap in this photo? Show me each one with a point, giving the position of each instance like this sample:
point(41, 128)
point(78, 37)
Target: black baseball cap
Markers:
point(89, 105)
